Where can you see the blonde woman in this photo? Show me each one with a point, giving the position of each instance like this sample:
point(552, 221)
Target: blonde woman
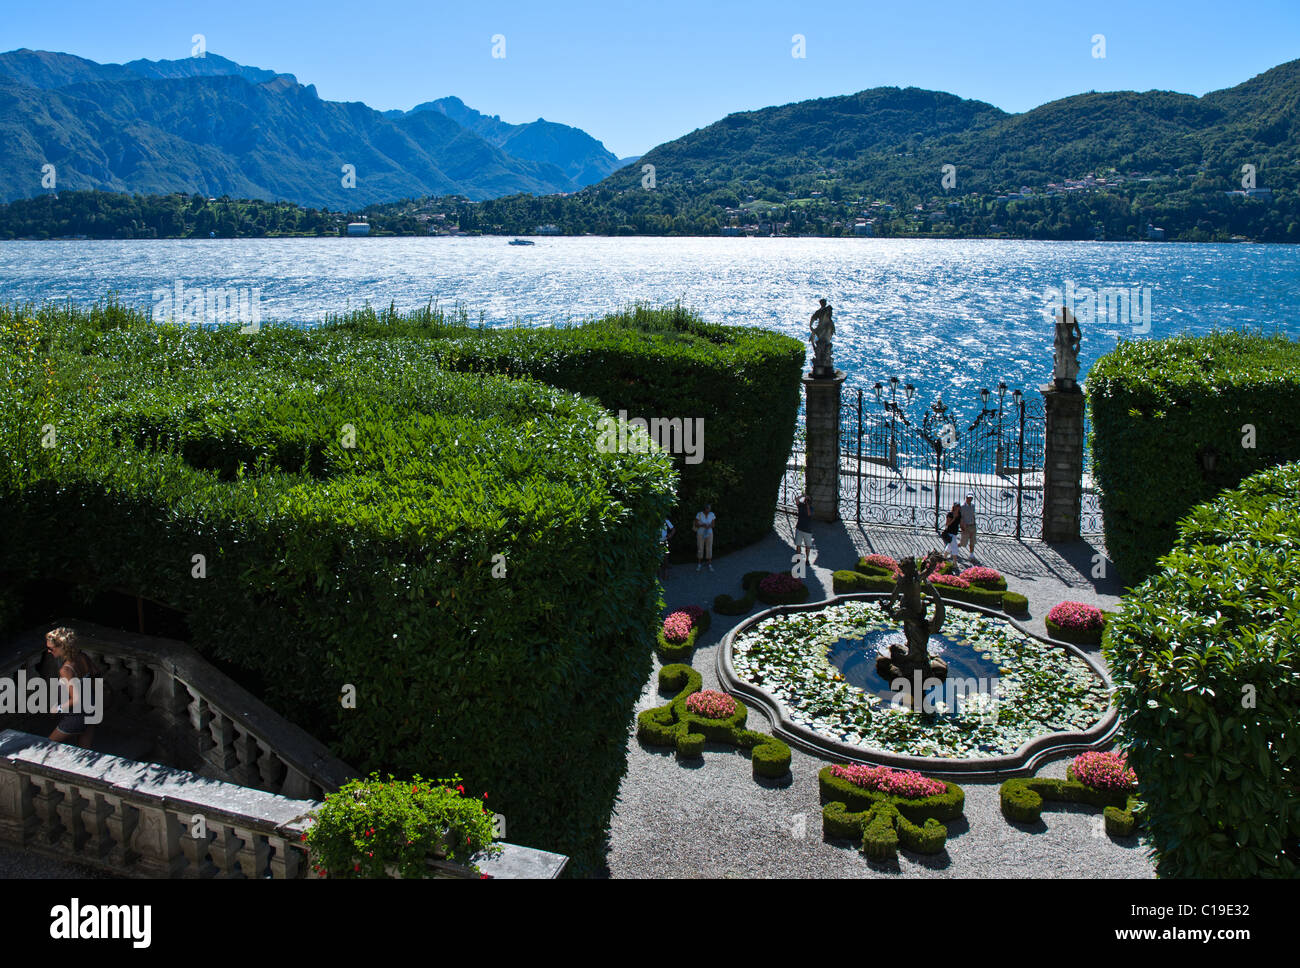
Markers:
point(74, 666)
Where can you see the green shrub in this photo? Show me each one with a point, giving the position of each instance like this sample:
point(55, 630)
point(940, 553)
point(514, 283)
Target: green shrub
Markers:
point(796, 596)
point(675, 725)
point(369, 565)
point(1158, 406)
point(1075, 636)
point(372, 824)
point(1022, 798)
point(988, 597)
point(1204, 658)
point(724, 604)
point(881, 821)
point(1013, 603)
point(742, 381)
point(848, 582)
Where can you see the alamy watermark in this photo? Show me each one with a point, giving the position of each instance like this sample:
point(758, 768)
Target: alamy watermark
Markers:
point(676, 435)
point(1113, 305)
point(971, 698)
point(209, 306)
point(38, 695)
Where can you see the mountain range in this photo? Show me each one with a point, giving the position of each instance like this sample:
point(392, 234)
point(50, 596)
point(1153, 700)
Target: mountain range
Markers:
point(209, 125)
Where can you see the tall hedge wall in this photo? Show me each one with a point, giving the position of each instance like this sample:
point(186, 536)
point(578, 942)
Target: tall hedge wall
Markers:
point(744, 383)
point(1206, 658)
point(1158, 406)
point(369, 566)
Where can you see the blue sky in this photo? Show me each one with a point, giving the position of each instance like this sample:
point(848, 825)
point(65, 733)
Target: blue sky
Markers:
point(638, 74)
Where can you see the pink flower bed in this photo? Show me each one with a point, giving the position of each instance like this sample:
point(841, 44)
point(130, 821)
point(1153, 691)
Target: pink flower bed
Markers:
point(903, 783)
point(1104, 771)
point(983, 577)
point(952, 581)
point(1077, 616)
point(711, 704)
point(678, 625)
point(779, 583)
point(883, 561)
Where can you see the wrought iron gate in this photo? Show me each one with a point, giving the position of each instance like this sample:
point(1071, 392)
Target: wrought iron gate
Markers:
point(905, 466)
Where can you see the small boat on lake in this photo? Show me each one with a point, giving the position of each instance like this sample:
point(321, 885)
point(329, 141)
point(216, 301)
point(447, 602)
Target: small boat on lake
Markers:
point(522, 242)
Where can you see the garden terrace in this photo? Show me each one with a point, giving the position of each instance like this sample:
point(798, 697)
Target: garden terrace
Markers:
point(327, 511)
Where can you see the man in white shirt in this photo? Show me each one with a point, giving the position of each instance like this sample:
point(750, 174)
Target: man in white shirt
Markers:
point(703, 526)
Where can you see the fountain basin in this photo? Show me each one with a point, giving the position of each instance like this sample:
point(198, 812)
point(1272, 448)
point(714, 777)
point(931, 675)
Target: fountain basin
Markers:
point(1012, 700)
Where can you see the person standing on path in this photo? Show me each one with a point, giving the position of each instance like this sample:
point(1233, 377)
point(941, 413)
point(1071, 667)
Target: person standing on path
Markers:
point(704, 537)
point(968, 525)
point(666, 532)
point(951, 525)
point(803, 538)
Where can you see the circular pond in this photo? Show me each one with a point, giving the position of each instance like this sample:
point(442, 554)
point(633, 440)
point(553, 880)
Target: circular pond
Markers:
point(1009, 700)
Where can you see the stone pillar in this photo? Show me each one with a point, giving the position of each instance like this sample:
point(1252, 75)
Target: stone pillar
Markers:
point(1063, 463)
point(822, 435)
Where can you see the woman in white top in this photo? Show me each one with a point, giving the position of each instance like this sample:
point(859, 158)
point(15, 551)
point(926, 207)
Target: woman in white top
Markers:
point(704, 536)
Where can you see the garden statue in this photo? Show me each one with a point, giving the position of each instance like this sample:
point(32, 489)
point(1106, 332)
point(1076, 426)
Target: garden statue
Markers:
point(904, 661)
point(1065, 351)
point(822, 330)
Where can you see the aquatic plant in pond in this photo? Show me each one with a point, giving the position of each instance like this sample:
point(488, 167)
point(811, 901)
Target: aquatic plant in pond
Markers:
point(1040, 688)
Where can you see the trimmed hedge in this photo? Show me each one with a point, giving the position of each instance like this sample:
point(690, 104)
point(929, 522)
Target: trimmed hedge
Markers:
point(1206, 660)
point(880, 821)
point(1159, 405)
point(795, 597)
point(371, 565)
point(869, 577)
point(741, 380)
point(848, 582)
point(1076, 636)
point(1013, 603)
point(1022, 800)
point(681, 651)
point(724, 604)
point(675, 725)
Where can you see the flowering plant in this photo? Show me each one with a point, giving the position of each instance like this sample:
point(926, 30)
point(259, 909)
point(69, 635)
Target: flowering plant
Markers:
point(885, 562)
point(982, 576)
point(779, 583)
point(1076, 616)
point(372, 826)
point(882, 779)
point(1104, 771)
point(677, 627)
point(952, 581)
point(711, 704)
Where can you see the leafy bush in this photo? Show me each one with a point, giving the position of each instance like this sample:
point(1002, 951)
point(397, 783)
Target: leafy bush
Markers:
point(879, 564)
point(949, 581)
point(879, 819)
point(848, 582)
point(677, 725)
point(1204, 657)
point(1161, 407)
point(370, 825)
point(743, 382)
point(724, 604)
point(351, 502)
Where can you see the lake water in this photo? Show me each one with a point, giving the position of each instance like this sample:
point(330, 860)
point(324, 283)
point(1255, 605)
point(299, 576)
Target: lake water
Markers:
point(944, 315)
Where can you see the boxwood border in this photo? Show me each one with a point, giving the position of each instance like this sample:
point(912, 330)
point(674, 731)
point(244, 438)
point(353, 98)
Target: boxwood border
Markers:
point(879, 821)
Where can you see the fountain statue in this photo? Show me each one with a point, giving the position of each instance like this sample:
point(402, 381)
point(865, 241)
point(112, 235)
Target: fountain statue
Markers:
point(905, 661)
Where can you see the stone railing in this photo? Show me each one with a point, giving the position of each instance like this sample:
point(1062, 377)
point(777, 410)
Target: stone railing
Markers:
point(216, 727)
point(240, 813)
point(145, 820)
point(142, 819)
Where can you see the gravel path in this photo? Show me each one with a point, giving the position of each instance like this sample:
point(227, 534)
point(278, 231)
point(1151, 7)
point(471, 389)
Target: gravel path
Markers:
point(714, 820)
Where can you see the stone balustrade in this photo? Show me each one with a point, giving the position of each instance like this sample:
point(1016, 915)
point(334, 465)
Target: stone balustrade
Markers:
point(240, 814)
point(220, 729)
point(143, 819)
